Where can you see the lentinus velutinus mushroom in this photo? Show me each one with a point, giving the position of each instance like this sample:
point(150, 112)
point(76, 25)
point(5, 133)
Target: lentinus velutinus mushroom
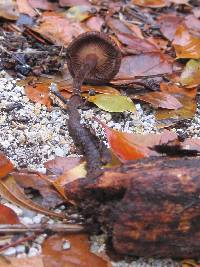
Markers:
point(94, 58)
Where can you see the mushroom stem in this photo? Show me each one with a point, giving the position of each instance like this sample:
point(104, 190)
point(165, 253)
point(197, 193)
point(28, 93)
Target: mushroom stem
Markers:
point(89, 64)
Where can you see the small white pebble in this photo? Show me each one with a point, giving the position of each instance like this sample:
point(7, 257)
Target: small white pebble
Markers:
point(40, 239)
point(66, 245)
point(38, 218)
point(26, 220)
point(51, 221)
point(33, 252)
point(20, 249)
point(9, 252)
point(59, 152)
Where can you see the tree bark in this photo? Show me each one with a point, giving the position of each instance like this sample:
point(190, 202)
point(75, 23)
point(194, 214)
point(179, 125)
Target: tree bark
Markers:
point(148, 208)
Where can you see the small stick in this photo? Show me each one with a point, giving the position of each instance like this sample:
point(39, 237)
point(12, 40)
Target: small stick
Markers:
point(39, 228)
point(19, 241)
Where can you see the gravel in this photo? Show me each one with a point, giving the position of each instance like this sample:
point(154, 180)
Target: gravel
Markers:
point(30, 135)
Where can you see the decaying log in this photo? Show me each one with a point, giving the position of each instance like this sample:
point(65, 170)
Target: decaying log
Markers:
point(148, 208)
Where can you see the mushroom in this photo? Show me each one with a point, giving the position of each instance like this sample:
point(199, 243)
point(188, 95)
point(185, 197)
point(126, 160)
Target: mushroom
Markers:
point(93, 57)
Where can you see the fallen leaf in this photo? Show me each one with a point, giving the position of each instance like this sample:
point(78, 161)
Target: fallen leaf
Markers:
point(64, 31)
point(9, 9)
point(144, 65)
point(128, 146)
point(94, 23)
point(176, 90)
point(79, 13)
point(10, 190)
point(8, 216)
point(6, 165)
point(43, 5)
point(189, 263)
point(168, 25)
point(191, 73)
point(39, 93)
point(118, 26)
point(22, 262)
point(185, 44)
point(136, 45)
point(191, 144)
point(136, 31)
point(69, 3)
point(160, 43)
point(68, 176)
point(159, 100)
point(78, 253)
point(169, 117)
point(25, 8)
point(113, 103)
point(26, 179)
point(180, 2)
point(186, 97)
point(151, 3)
point(60, 165)
point(193, 24)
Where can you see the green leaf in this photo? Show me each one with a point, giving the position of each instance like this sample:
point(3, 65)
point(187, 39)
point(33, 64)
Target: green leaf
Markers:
point(113, 103)
point(191, 73)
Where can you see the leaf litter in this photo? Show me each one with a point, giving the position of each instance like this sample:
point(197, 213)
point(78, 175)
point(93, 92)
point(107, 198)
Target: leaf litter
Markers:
point(145, 60)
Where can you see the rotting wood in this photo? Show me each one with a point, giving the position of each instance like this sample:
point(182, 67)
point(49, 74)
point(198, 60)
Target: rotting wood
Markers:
point(149, 207)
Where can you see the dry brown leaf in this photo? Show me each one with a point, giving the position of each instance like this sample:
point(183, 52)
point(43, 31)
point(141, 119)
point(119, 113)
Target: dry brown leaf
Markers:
point(190, 76)
point(26, 179)
point(185, 44)
point(10, 190)
point(57, 28)
point(68, 176)
point(186, 97)
point(135, 45)
point(180, 2)
point(8, 216)
point(168, 24)
point(189, 263)
point(160, 43)
point(60, 165)
point(25, 8)
point(69, 3)
point(43, 5)
point(144, 65)
point(78, 255)
point(6, 165)
point(159, 100)
point(94, 23)
point(9, 9)
point(191, 144)
point(193, 24)
point(118, 26)
point(22, 262)
point(176, 90)
point(39, 93)
point(151, 3)
point(128, 146)
point(169, 117)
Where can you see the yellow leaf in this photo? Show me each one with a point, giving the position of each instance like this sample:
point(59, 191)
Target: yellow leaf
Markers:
point(10, 190)
point(79, 13)
point(191, 73)
point(113, 103)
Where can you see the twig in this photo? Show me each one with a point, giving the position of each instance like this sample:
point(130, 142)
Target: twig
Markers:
point(81, 135)
point(19, 241)
point(39, 228)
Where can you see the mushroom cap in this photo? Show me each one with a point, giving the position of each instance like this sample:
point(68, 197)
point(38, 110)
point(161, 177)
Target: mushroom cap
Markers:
point(101, 45)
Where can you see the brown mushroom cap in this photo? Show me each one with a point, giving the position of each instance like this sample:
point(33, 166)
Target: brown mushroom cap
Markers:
point(101, 45)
